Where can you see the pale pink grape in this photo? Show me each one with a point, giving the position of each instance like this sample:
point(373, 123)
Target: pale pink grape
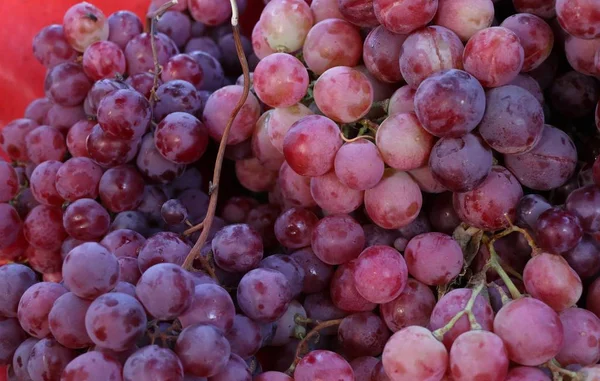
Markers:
point(465, 17)
point(280, 80)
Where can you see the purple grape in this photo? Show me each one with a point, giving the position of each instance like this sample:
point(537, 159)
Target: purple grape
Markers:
point(177, 26)
point(204, 44)
point(90, 270)
point(93, 366)
point(143, 83)
point(15, 279)
point(181, 138)
point(124, 114)
point(123, 243)
point(214, 76)
point(35, 305)
point(21, 359)
point(162, 247)
point(203, 350)
point(211, 305)
point(244, 336)
point(235, 370)
point(264, 294)
point(237, 248)
point(123, 26)
point(288, 266)
point(121, 188)
point(67, 85)
point(138, 52)
point(129, 270)
point(177, 96)
point(103, 59)
point(362, 334)
point(38, 109)
point(78, 178)
point(558, 230)
point(153, 165)
point(48, 359)
point(109, 151)
point(585, 204)
point(86, 219)
point(317, 273)
point(67, 321)
point(153, 362)
point(43, 227)
point(11, 335)
point(530, 207)
point(101, 89)
point(131, 220)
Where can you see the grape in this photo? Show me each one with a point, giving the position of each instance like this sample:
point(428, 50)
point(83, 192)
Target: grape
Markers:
point(66, 84)
point(47, 360)
point(44, 261)
point(15, 279)
point(138, 52)
point(337, 239)
point(9, 182)
point(465, 18)
point(531, 331)
point(262, 148)
point(363, 367)
point(526, 373)
point(132, 220)
point(404, 17)
point(103, 59)
point(324, 365)
point(235, 370)
point(260, 45)
point(78, 178)
point(429, 50)
point(12, 138)
point(124, 26)
point(513, 120)
point(124, 114)
point(183, 67)
point(43, 227)
point(408, 350)
point(12, 335)
point(407, 197)
point(331, 43)
point(454, 302)
point(434, 258)
point(45, 143)
point(581, 54)
point(286, 24)
point(574, 94)
point(343, 94)
point(191, 178)
point(358, 12)
point(530, 207)
point(237, 209)
point(535, 35)
point(412, 307)
point(424, 178)
point(123, 243)
point(21, 359)
point(528, 83)
point(51, 48)
point(93, 366)
point(380, 274)
point(181, 138)
point(163, 247)
point(281, 120)
point(121, 188)
point(542, 8)
point(320, 307)
point(264, 294)
point(549, 164)
point(85, 219)
point(173, 212)
point(35, 305)
point(362, 174)
point(490, 361)
point(317, 274)
point(83, 25)
point(402, 101)
point(99, 91)
point(585, 204)
point(38, 109)
point(90, 270)
point(499, 46)
point(558, 230)
point(286, 325)
point(581, 331)
point(584, 258)
point(115, 321)
point(294, 227)
point(450, 103)
point(403, 143)
point(143, 83)
point(579, 18)
point(67, 321)
point(492, 205)
point(204, 44)
point(381, 52)
point(175, 25)
point(237, 248)
point(244, 336)
point(209, 12)
point(280, 80)
point(214, 77)
point(196, 202)
point(153, 199)
point(344, 293)
point(212, 305)
point(288, 266)
point(362, 334)
point(254, 176)
point(203, 350)
point(77, 136)
point(218, 110)
point(272, 375)
point(129, 270)
point(153, 165)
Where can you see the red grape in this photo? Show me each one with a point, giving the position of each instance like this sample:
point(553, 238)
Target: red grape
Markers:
point(66, 84)
point(322, 10)
point(558, 230)
point(124, 114)
point(380, 274)
point(67, 321)
point(181, 138)
point(43, 227)
point(582, 332)
point(12, 138)
point(47, 360)
point(585, 204)
point(51, 48)
point(35, 305)
point(404, 16)
point(295, 188)
point(212, 305)
point(535, 35)
point(138, 52)
point(176, 25)
point(434, 258)
point(281, 120)
point(209, 12)
point(465, 18)
point(542, 8)
point(381, 52)
point(123, 243)
point(286, 23)
point(478, 354)
point(85, 219)
point(103, 59)
point(77, 136)
point(323, 365)
point(262, 147)
point(363, 174)
point(78, 178)
point(264, 294)
point(343, 290)
point(579, 18)
point(121, 188)
point(124, 26)
point(412, 307)
point(93, 366)
point(294, 227)
point(402, 101)
point(160, 248)
point(317, 274)
point(237, 248)
point(337, 239)
point(184, 67)
point(280, 80)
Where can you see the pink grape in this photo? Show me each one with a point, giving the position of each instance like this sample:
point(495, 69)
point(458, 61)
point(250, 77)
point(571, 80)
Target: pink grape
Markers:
point(66, 321)
point(21, 358)
point(407, 203)
point(403, 142)
point(212, 305)
point(450, 103)
point(77, 136)
point(124, 114)
point(209, 12)
point(408, 350)
point(581, 55)
point(43, 227)
point(90, 270)
point(331, 43)
point(285, 264)
point(549, 278)
point(160, 248)
point(528, 83)
point(580, 18)
point(50, 47)
point(181, 138)
point(498, 46)
point(402, 101)
point(138, 52)
point(184, 67)
point(424, 177)
point(404, 17)
point(38, 109)
point(535, 35)
point(260, 45)
point(237, 248)
point(280, 80)
point(558, 230)
point(78, 178)
point(294, 227)
point(254, 176)
point(45, 143)
point(427, 51)
point(343, 290)
point(325, 9)
point(531, 331)
point(433, 258)
point(264, 294)
point(66, 84)
point(381, 52)
point(9, 183)
point(317, 274)
point(465, 18)
point(492, 205)
point(12, 138)
point(454, 302)
point(490, 362)
point(513, 120)
point(86, 219)
point(337, 239)
point(526, 373)
point(218, 109)
point(128, 270)
point(310, 145)
point(47, 360)
point(91, 366)
point(262, 147)
point(380, 274)
point(295, 188)
point(84, 24)
point(363, 174)
point(324, 365)
point(44, 261)
point(359, 12)
point(412, 307)
point(35, 305)
point(343, 94)
point(103, 59)
point(281, 120)
point(123, 27)
point(286, 23)
point(14, 281)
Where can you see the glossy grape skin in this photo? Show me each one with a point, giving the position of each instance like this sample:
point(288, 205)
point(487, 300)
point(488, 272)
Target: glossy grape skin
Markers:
point(464, 18)
point(78, 178)
point(38, 109)
point(403, 142)
point(433, 258)
point(585, 204)
point(454, 302)
point(412, 307)
point(93, 366)
point(153, 165)
point(363, 174)
point(66, 84)
point(273, 376)
point(535, 35)
point(404, 17)
point(558, 230)
point(531, 331)
point(47, 360)
point(138, 53)
point(103, 59)
point(280, 80)
point(218, 109)
point(337, 239)
point(203, 350)
point(115, 321)
point(491, 205)
point(165, 290)
point(530, 207)
point(124, 26)
point(77, 136)
point(579, 18)
point(403, 210)
point(526, 373)
point(498, 45)
point(162, 247)
point(343, 94)
point(288, 266)
point(183, 67)
point(43, 227)
point(450, 103)
point(181, 138)
point(326, 365)
point(294, 227)
point(331, 43)
point(173, 212)
point(267, 288)
point(90, 270)
point(86, 219)
point(67, 321)
point(343, 290)
point(429, 50)
point(380, 274)
point(83, 25)
point(381, 52)
point(513, 120)
point(316, 273)
point(490, 362)
point(244, 336)
point(9, 183)
point(15, 279)
point(123, 242)
point(286, 24)
point(408, 350)
point(124, 114)
point(581, 331)
point(35, 305)
point(121, 188)
point(281, 120)
point(51, 48)
point(12, 138)
point(212, 305)
point(237, 248)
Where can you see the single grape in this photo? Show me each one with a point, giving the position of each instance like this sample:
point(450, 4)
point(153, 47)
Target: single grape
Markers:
point(294, 227)
point(237, 248)
point(530, 207)
point(412, 307)
point(129, 270)
point(404, 17)
point(47, 360)
point(579, 18)
point(558, 230)
point(535, 35)
point(183, 67)
point(363, 174)
point(380, 274)
point(121, 188)
point(173, 212)
point(528, 83)
point(264, 294)
point(35, 305)
point(381, 52)
point(205, 44)
point(286, 24)
point(344, 293)
point(212, 305)
point(86, 219)
point(143, 83)
point(160, 248)
point(83, 25)
point(478, 354)
point(38, 109)
point(123, 242)
point(50, 47)
point(15, 279)
point(66, 321)
point(43, 227)
point(214, 76)
point(138, 52)
point(21, 359)
point(244, 336)
point(12, 138)
point(531, 331)
point(103, 59)
point(465, 18)
point(90, 270)
point(585, 204)
point(254, 176)
point(584, 258)
point(78, 178)
point(176, 25)
point(281, 120)
point(123, 27)
point(288, 266)
point(337, 239)
point(433, 258)
point(280, 80)
point(66, 84)
point(153, 165)
point(124, 114)
point(317, 274)
point(209, 12)
point(324, 365)
point(77, 137)
point(362, 334)
point(203, 350)
point(131, 220)
point(582, 332)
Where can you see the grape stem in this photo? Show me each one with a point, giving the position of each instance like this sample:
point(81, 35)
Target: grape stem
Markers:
point(535, 250)
point(300, 350)
point(345, 139)
point(468, 310)
point(494, 263)
point(154, 17)
point(212, 205)
point(558, 372)
point(505, 299)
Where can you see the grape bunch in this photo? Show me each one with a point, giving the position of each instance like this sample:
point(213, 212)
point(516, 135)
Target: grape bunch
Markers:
point(358, 190)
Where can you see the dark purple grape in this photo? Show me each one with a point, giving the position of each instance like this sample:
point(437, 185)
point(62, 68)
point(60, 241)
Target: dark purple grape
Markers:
point(529, 209)
point(176, 96)
point(214, 76)
point(585, 257)
point(317, 273)
point(152, 200)
point(203, 350)
point(173, 212)
point(85, 219)
point(181, 138)
point(363, 334)
point(121, 188)
point(585, 204)
point(558, 230)
point(153, 165)
point(176, 25)
point(441, 214)
point(109, 151)
point(124, 114)
point(15, 279)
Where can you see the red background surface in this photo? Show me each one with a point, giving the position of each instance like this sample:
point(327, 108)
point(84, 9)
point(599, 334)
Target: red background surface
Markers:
point(22, 76)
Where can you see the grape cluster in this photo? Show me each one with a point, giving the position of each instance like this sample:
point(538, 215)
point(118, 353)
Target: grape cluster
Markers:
point(410, 192)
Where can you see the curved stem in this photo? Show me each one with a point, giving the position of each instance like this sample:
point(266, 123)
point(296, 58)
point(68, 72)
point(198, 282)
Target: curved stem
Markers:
point(468, 310)
point(302, 344)
point(345, 139)
point(558, 372)
point(214, 187)
point(494, 263)
point(157, 68)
